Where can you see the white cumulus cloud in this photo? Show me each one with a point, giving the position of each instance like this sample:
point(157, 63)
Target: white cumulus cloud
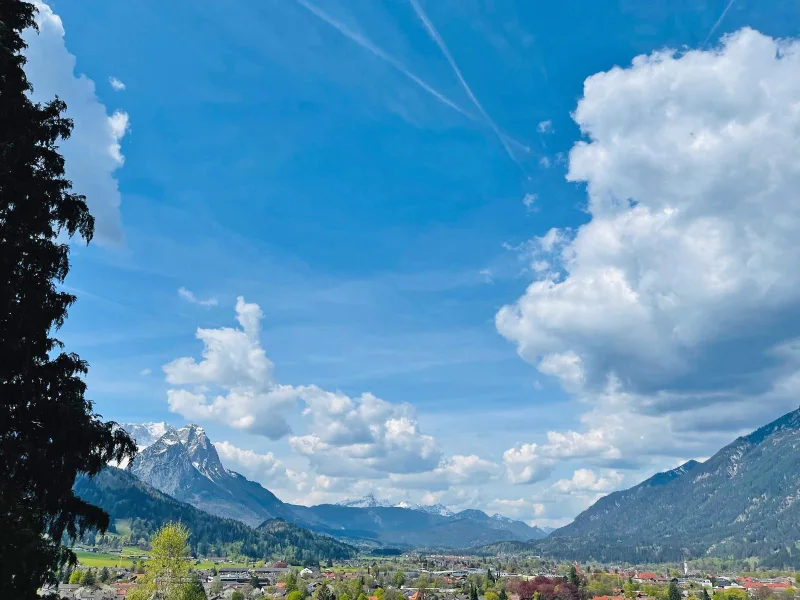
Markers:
point(233, 384)
point(93, 153)
point(678, 292)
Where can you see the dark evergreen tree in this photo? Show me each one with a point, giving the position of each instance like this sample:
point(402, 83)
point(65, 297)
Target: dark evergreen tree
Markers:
point(48, 431)
point(705, 595)
point(674, 592)
point(573, 576)
point(89, 579)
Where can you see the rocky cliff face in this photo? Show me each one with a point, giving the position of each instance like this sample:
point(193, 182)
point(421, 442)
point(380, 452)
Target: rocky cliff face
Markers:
point(184, 464)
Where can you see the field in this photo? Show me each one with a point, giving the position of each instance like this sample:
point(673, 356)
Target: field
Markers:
point(108, 559)
point(101, 559)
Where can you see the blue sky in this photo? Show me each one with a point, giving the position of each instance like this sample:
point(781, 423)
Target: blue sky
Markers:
point(325, 162)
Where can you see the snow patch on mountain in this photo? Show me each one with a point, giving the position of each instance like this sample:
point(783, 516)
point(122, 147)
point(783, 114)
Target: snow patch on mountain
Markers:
point(369, 501)
point(146, 434)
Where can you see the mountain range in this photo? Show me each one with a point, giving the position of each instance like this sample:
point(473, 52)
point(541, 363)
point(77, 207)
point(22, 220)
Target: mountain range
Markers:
point(742, 502)
point(144, 509)
point(369, 501)
point(184, 464)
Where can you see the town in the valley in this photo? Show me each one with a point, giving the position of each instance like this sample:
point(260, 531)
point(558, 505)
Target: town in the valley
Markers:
point(417, 576)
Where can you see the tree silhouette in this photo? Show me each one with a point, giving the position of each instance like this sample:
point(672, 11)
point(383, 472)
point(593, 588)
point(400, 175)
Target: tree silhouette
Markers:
point(49, 432)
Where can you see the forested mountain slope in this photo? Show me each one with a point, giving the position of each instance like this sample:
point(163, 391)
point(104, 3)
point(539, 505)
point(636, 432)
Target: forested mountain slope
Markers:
point(123, 496)
point(741, 502)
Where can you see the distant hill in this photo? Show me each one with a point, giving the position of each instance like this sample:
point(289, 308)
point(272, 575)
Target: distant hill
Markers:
point(740, 503)
point(506, 548)
point(123, 496)
point(184, 464)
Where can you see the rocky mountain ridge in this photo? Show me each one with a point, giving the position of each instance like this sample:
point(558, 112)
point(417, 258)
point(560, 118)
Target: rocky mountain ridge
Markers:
point(184, 464)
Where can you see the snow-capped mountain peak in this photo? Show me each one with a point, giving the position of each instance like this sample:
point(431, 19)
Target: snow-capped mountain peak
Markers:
point(146, 434)
point(369, 501)
point(201, 451)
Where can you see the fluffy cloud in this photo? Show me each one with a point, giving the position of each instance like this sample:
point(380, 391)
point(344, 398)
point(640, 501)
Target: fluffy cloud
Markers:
point(682, 288)
point(456, 471)
point(520, 508)
point(363, 436)
point(586, 480)
point(235, 363)
point(92, 154)
point(264, 468)
point(528, 463)
point(234, 384)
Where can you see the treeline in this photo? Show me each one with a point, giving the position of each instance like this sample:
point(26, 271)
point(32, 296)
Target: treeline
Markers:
point(124, 497)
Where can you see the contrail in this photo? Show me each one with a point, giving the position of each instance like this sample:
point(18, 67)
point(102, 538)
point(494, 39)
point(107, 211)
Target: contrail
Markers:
point(714, 28)
point(368, 45)
point(504, 139)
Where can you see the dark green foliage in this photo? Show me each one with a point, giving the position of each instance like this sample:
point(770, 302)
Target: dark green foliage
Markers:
point(573, 576)
point(193, 590)
point(737, 505)
point(48, 430)
point(125, 497)
point(674, 593)
point(89, 578)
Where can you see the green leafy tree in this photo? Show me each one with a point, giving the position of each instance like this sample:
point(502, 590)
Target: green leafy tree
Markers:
point(344, 596)
point(254, 582)
point(380, 593)
point(398, 579)
point(290, 579)
point(167, 571)
point(673, 592)
point(76, 577)
point(473, 592)
point(705, 595)
point(104, 575)
point(193, 589)
point(216, 585)
point(237, 595)
point(295, 595)
point(323, 592)
point(362, 596)
point(489, 576)
point(49, 432)
point(503, 594)
point(491, 596)
point(393, 594)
